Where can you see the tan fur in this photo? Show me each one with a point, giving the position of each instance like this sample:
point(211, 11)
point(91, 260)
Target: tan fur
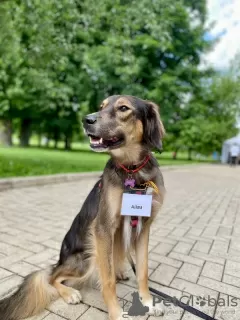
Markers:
point(40, 292)
point(161, 126)
point(142, 263)
point(107, 275)
point(119, 255)
point(32, 297)
point(123, 102)
point(67, 293)
point(114, 196)
point(139, 131)
point(104, 104)
point(128, 154)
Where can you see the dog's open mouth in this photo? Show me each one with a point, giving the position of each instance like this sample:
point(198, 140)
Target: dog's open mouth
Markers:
point(100, 143)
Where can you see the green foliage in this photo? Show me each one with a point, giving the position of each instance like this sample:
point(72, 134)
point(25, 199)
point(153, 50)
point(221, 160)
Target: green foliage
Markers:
point(33, 161)
point(213, 116)
point(60, 58)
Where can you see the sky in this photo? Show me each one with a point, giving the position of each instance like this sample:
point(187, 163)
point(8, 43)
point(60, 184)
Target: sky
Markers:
point(226, 15)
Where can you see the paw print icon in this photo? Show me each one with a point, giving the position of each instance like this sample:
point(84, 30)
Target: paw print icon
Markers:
point(201, 301)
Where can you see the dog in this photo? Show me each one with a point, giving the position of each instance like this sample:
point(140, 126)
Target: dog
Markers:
point(100, 238)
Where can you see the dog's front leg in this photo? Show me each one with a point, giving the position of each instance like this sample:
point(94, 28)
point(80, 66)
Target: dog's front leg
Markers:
point(142, 272)
point(105, 260)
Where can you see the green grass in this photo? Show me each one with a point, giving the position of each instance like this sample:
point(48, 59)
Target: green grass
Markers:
point(34, 161)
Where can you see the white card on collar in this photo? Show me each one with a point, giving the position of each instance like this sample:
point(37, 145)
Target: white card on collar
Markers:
point(136, 205)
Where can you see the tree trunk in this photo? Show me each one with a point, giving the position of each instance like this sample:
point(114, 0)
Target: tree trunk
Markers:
point(67, 142)
point(6, 134)
point(25, 132)
point(175, 154)
point(189, 154)
point(39, 139)
point(56, 138)
point(47, 140)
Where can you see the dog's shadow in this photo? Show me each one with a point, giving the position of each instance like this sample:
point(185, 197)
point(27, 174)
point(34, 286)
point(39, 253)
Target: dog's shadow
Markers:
point(137, 308)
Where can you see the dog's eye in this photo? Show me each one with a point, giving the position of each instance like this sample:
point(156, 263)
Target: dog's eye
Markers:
point(123, 108)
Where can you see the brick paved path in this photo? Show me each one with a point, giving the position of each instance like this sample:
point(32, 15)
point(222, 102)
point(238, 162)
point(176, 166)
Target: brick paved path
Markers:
point(194, 246)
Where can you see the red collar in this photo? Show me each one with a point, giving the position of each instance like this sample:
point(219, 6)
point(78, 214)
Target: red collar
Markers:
point(147, 158)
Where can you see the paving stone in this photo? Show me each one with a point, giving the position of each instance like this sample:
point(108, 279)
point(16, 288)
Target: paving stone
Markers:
point(188, 259)
point(164, 274)
point(41, 256)
point(71, 312)
point(189, 316)
point(123, 290)
point(207, 257)
point(219, 286)
point(53, 316)
point(179, 232)
point(206, 304)
point(93, 297)
point(93, 313)
point(232, 268)
point(4, 273)
point(192, 288)
point(189, 272)
point(197, 231)
point(183, 247)
point(152, 264)
point(231, 280)
point(212, 270)
point(7, 285)
point(202, 246)
point(220, 247)
point(225, 231)
point(228, 308)
point(22, 268)
point(41, 316)
point(8, 249)
point(171, 313)
point(9, 260)
point(163, 249)
point(165, 260)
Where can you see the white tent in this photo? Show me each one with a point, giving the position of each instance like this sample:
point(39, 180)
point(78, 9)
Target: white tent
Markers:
point(226, 147)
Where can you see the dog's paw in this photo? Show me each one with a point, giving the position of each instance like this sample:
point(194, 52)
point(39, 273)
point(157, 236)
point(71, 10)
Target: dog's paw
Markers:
point(154, 310)
point(121, 276)
point(74, 298)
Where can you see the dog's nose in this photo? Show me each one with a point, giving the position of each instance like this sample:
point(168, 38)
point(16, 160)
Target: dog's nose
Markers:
point(91, 119)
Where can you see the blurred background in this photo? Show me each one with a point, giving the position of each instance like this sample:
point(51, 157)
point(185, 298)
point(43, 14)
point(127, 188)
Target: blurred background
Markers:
point(60, 58)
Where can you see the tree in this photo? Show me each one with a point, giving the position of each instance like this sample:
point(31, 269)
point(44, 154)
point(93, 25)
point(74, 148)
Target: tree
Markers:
point(214, 116)
point(60, 58)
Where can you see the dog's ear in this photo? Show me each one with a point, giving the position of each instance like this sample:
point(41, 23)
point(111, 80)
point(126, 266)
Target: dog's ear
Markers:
point(153, 127)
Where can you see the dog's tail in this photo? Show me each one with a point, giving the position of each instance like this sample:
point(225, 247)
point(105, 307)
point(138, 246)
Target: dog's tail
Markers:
point(32, 297)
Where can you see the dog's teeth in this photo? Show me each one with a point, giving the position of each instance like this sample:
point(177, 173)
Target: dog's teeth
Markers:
point(101, 140)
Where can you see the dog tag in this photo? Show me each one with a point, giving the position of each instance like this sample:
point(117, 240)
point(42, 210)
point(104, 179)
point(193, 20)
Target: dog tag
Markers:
point(129, 182)
point(136, 205)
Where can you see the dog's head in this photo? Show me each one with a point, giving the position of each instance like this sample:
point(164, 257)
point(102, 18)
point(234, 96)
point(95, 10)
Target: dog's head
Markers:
point(124, 121)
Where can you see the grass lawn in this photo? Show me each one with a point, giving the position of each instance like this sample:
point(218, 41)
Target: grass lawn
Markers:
point(33, 161)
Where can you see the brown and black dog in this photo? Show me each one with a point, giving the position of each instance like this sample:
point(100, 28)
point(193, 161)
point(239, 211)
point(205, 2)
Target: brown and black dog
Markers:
point(100, 238)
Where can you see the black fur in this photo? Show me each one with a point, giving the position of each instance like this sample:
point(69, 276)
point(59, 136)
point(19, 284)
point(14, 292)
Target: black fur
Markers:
point(148, 113)
point(152, 135)
point(74, 240)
